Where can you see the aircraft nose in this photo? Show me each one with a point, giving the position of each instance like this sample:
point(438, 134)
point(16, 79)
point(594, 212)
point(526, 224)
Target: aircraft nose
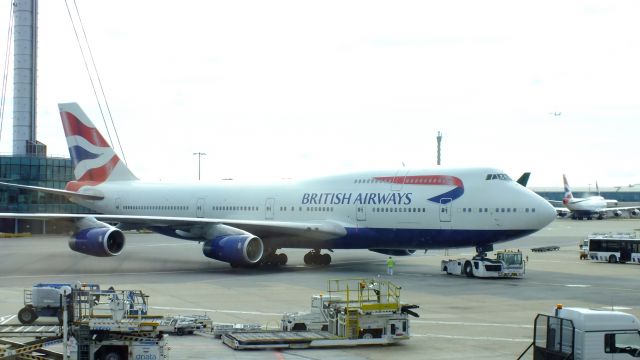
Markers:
point(547, 212)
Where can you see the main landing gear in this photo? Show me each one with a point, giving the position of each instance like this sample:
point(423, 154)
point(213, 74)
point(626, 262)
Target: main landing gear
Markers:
point(314, 257)
point(273, 259)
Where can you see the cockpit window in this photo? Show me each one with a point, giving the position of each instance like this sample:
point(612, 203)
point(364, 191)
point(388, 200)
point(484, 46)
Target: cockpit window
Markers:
point(498, 177)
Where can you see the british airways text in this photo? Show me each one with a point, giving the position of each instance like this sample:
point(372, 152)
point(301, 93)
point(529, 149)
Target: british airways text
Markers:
point(356, 198)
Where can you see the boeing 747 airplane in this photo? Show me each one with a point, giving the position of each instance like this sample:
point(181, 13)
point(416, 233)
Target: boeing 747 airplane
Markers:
point(590, 206)
point(393, 212)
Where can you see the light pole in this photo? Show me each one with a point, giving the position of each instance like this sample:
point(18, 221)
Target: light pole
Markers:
point(200, 154)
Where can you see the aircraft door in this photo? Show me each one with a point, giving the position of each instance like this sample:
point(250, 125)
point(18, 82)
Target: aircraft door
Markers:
point(269, 208)
point(398, 180)
point(200, 208)
point(361, 213)
point(445, 210)
point(118, 204)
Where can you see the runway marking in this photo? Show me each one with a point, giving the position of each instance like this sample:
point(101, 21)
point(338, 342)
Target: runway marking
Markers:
point(107, 274)
point(483, 338)
point(5, 319)
point(469, 323)
point(578, 285)
point(585, 286)
point(216, 310)
point(212, 270)
point(418, 275)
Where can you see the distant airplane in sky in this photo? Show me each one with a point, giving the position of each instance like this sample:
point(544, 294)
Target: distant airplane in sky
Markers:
point(588, 207)
point(392, 212)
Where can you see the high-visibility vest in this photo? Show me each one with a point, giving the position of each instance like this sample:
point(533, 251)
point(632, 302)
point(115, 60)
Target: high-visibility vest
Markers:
point(390, 263)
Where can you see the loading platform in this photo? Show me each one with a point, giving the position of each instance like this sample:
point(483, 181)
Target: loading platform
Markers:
point(293, 340)
point(39, 330)
point(30, 350)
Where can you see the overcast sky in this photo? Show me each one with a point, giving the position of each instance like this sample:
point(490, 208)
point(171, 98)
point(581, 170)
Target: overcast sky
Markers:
point(304, 88)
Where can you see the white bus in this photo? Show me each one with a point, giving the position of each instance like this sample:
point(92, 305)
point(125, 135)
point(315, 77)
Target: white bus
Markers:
point(618, 247)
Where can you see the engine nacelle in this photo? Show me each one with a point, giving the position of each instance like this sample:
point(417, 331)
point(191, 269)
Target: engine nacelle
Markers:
point(617, 213)
point(394, 252)
point(103, 241)
point(635, 212)
point(243, 249)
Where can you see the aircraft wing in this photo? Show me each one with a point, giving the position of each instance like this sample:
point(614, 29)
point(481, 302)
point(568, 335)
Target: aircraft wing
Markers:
point(561, 210)
point(67, 193)
point(318, 230)
point(619, 208)
point(555, 203)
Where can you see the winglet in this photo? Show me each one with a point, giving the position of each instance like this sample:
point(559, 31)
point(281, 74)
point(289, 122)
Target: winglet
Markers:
point(524, 179)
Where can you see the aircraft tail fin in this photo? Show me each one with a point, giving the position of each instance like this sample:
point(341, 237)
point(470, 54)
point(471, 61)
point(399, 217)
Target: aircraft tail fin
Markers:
point(567, 190)
point(94, 160)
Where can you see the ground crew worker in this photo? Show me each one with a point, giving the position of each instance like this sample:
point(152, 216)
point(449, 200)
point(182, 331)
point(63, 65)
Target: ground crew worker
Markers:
point(390, 265)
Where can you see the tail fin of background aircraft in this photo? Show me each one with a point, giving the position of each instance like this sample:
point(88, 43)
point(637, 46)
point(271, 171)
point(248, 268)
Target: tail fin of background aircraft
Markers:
point(567, 191)
point(94, 161)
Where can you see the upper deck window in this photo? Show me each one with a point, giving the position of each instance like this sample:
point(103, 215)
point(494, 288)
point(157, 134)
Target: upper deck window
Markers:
point(498, 177)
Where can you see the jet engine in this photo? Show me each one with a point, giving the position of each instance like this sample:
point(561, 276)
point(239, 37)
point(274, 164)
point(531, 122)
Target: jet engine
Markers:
point(102, 241)
point(617, 213)
point(635, 212)
point(394, 252)
point(244, 249)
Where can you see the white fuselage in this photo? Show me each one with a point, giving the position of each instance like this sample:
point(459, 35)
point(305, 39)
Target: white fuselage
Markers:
point(592, 203)
point(417, 209)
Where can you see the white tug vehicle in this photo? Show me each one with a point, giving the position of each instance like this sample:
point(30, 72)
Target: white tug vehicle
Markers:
point(506, 264)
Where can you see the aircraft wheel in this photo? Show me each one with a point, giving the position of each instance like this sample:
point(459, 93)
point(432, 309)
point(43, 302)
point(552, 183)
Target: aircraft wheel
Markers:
point(325, 259)
point(27, 315)
point(308, 258)
point(468, 270)
point(282, 259)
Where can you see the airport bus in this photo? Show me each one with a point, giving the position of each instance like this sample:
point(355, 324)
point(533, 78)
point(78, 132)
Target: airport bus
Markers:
point(614, 247)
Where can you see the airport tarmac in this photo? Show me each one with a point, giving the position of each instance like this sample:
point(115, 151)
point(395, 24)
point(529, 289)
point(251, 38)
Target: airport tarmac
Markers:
point(459, 317)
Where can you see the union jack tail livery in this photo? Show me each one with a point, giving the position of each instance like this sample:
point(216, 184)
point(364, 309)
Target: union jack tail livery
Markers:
point(567, 191)
point(95, 162)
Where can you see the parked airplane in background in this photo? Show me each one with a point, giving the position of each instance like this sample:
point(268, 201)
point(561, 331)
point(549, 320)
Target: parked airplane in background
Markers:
point(390, 212)
point(590, 206)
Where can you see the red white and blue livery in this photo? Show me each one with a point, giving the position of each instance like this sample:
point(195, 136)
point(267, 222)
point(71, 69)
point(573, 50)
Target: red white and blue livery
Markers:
point(388, 211)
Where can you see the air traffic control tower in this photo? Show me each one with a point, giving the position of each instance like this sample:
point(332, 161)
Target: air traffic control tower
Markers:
point(25, 55)
point(29, 164)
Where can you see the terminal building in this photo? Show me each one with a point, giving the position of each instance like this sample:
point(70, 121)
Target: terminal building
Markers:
point(35, 170)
